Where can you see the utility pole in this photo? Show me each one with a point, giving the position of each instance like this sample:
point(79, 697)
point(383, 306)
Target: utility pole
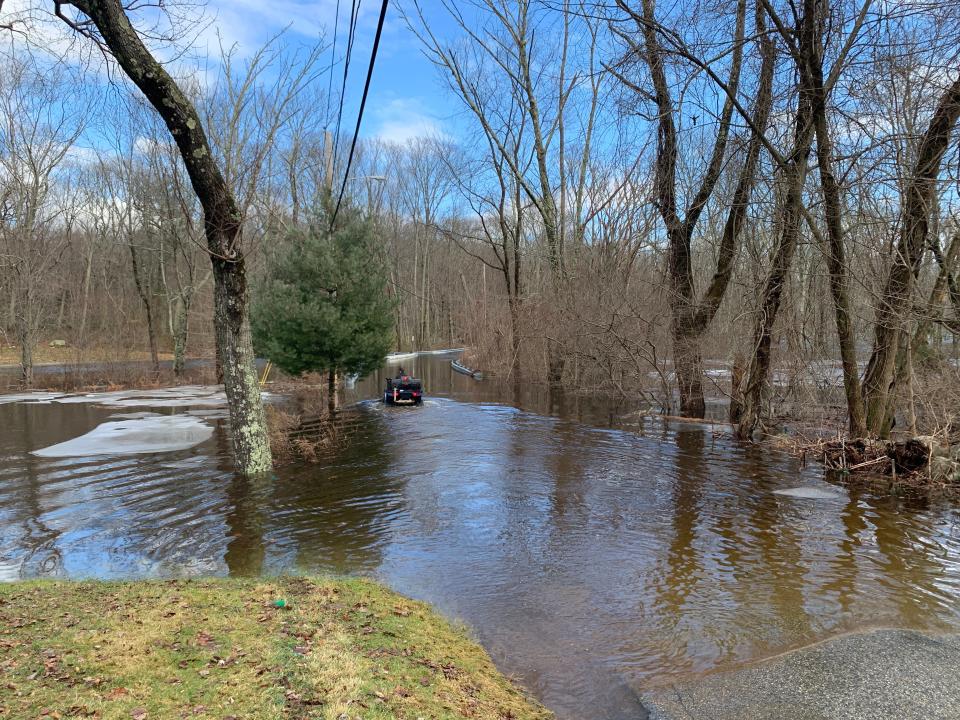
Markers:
point(333, 381)
point(328, 159)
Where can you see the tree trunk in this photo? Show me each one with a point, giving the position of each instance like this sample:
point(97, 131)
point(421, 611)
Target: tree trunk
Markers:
point(688, 367)
point(793, 175)
point(333, 398)
point(181, 328)
point(880, 380)
point(945, 291)
point(26, 340)
point(25, 327)
point(144, 292)
point(515, 339)
point(251, 444)
point(555, 363)
point(690, 316)
point(88, 271)
point(222, 227)
point(836, 256)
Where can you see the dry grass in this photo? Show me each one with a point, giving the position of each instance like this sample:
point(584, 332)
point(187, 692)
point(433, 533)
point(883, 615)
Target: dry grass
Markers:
point(300, 436)
point(70, 369)
point(43, 354)
point(223, 649)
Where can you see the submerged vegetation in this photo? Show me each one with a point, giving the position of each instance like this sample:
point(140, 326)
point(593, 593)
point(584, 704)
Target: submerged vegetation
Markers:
point(251, 649)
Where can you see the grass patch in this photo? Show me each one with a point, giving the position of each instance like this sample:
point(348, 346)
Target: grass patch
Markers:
point(338, 649)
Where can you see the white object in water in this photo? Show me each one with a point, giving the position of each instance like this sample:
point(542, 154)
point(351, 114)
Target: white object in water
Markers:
point(31, 397)
point(807, 492)
point(163, 433)
point(201, 396)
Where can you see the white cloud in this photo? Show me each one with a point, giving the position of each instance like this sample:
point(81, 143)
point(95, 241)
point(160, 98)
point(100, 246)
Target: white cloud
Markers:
point(247, 24)
point(403, 119)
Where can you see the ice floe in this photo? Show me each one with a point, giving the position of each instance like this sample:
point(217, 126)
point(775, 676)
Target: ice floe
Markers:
point(30, 397)
point(184, 396)
point(157, 434)
point(807, 492)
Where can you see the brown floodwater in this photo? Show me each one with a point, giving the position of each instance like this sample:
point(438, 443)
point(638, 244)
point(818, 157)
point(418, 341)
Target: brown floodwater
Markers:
point(591, 557)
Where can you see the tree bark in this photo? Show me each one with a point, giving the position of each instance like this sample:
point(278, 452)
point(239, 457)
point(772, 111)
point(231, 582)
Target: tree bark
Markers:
point(222, 228)
point(880, 380)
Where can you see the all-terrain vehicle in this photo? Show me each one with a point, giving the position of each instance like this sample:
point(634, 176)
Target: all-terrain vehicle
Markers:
point(403, 390)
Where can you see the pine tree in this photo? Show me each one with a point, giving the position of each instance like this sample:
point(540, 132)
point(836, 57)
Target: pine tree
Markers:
point(323, 305)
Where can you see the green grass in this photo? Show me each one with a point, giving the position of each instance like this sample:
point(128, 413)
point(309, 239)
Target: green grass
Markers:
point(340, 649)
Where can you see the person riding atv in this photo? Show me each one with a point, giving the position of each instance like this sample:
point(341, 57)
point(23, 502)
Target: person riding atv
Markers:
point(403, 390)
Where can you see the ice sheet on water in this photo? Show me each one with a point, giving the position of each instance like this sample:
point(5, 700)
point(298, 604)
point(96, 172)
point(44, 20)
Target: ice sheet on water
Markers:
point(30, 397)
point(203, 396)
point(210, 414)
point(183, 396)
point(807, 492)
point(215, 400)
point(162, 433)
point(125, 398)
point(133, 416)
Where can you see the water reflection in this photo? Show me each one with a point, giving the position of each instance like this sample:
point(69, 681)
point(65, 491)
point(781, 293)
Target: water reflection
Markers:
point(591, 559)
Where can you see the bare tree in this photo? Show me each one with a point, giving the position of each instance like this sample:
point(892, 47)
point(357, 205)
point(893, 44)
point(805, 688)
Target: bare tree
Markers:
point(40, 122)
point(692, 314)
point(531, 75)
point(919, 201)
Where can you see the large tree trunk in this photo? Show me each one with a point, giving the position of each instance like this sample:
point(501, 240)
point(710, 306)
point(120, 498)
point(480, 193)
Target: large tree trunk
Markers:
point(880, 380)
point(251, 444)
point(222, 227)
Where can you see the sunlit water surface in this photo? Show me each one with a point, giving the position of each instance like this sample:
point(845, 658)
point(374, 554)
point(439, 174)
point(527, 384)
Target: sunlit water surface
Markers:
point(592, 558)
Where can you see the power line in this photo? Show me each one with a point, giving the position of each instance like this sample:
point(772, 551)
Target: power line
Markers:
point(351, 36)
point(363, 104)
point(333, 64)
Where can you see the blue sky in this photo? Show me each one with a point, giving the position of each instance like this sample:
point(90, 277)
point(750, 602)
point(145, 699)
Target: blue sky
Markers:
point(407, 97)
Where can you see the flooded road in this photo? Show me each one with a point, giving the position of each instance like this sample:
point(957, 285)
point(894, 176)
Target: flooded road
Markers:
point(592, 559)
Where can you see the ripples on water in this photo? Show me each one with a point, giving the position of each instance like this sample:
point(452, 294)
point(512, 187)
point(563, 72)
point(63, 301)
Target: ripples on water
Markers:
point(591, 559)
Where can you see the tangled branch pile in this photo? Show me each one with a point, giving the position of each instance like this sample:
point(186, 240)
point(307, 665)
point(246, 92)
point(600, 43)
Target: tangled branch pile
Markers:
point(922, 461)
